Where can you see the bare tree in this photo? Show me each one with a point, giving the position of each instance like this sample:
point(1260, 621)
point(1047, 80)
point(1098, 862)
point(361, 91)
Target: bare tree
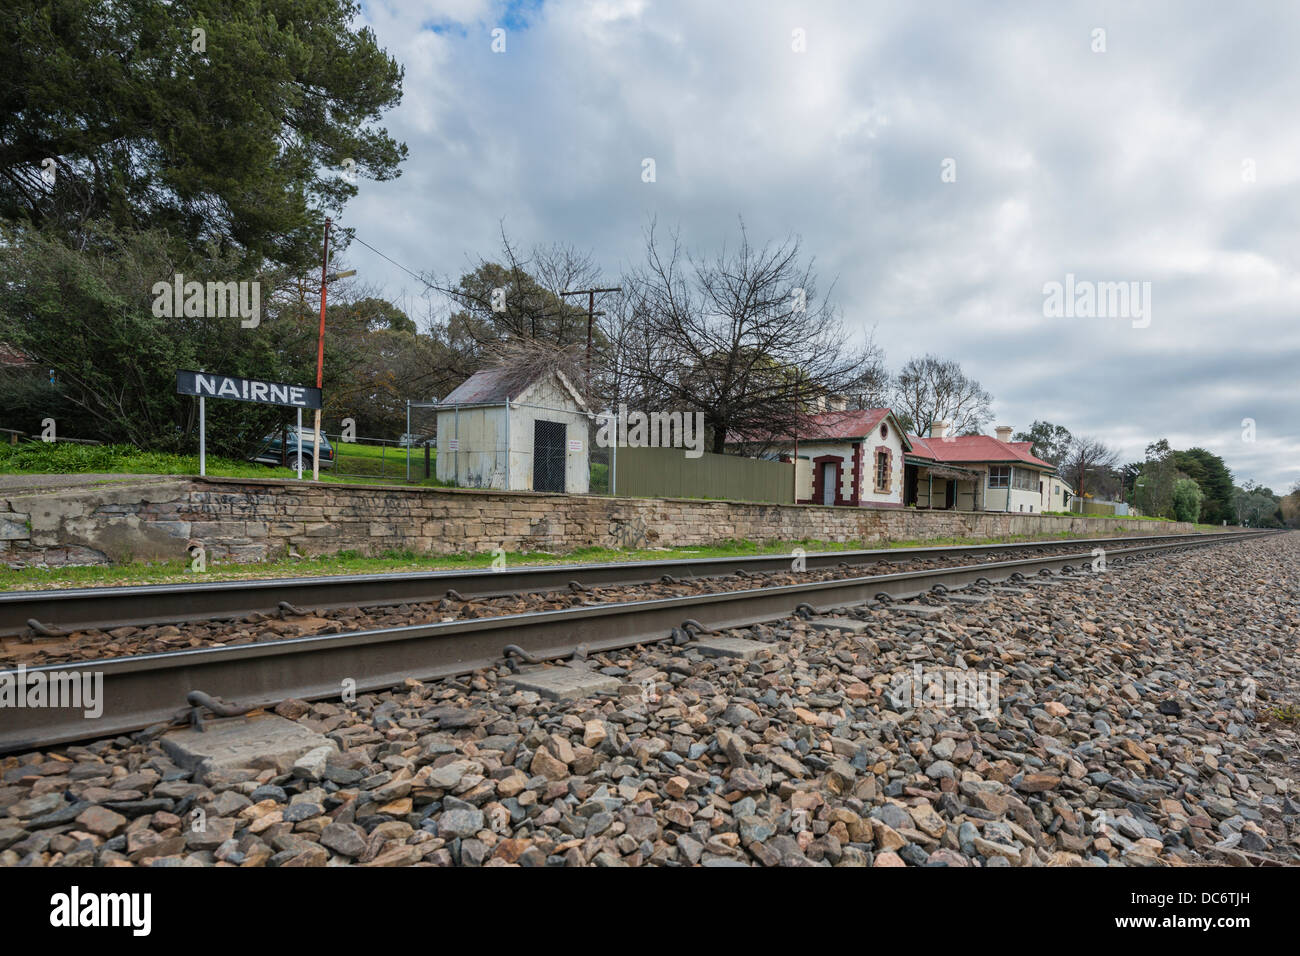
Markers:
point(622, 338)
point(526, 360)
point(742, 335)
point(931, 389)
point(560, 268)
point(1086, 458)
point(517, 296)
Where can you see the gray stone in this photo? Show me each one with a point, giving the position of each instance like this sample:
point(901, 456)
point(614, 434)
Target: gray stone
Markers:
point(459, 823)
point(312, 764)
point(233, 742)
point(718, 646)
point(848, 624)
point(754, 829)
point(940, 770)
point(37, 806)
point(227, 803)
point(448, 776)
point(347, 839)
point(917, 610)
point(65, 814)
point(892, 815)
point(565, 683)
point(10, 835)
point(297, 812)
point(966, 598)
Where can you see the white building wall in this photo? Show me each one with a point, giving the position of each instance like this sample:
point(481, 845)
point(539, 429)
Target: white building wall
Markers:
point(967, 496)
point(989, 498)
point(867, 477)
point(811, 450)
point(480, 460)
point(496, 453)
point(894, 442)
point(548, 400)
point(1058, 500)
point(1016, 499)
point(803, 480)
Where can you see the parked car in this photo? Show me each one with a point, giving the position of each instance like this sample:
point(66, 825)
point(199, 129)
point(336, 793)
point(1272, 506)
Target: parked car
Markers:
point(270, 451)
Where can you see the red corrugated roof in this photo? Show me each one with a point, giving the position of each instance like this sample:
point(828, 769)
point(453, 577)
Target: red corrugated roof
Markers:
point(843, 425)
point(975, 448)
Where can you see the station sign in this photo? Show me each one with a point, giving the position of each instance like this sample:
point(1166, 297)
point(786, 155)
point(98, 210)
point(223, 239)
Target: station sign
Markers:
point(211, 385)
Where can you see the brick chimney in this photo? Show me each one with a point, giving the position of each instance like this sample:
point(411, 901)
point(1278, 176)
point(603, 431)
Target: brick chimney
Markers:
point(1003, 432)
point(939, 429)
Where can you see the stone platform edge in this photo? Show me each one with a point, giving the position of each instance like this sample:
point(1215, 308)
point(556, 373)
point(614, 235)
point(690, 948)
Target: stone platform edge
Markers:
point(259, 519)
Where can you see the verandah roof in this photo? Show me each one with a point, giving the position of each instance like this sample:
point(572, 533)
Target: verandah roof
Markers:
point(945, 471)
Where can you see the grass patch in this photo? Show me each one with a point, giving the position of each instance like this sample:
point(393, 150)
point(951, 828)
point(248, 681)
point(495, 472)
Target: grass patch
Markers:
point(350, 562)
point(384, 461)
point(1284, 713)
point(1128, 517)
point(353, 463)
point(60, 458)
point(42, 458)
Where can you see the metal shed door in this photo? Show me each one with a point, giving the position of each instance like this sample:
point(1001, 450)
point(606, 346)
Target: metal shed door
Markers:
point(548, 455)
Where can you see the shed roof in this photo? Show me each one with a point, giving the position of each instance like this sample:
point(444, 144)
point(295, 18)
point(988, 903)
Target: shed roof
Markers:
point(496, 386)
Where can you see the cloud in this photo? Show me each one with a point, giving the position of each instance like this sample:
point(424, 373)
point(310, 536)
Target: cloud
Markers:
point(1168, 158)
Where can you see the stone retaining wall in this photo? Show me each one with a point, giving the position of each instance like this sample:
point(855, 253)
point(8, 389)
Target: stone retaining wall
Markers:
point(251, 520)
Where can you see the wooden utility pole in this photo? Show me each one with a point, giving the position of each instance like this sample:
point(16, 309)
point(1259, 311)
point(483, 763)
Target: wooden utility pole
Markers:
point(591, 319)
point(326, 277)
point(320, 351)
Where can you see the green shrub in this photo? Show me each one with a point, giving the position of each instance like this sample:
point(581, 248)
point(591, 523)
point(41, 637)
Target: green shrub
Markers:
point(1187, 500)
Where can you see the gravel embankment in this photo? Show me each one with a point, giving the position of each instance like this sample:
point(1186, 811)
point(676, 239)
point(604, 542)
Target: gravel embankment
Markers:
point(1143, 716)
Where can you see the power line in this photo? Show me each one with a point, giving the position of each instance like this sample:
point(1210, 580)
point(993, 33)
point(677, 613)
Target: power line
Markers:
point(591, 293)
point(413, 275)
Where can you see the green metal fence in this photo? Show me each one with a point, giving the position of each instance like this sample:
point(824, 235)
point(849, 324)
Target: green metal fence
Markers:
point(668, 473)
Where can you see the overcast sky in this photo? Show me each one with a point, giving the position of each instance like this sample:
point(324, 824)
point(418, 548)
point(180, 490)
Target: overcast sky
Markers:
point(1171, 157)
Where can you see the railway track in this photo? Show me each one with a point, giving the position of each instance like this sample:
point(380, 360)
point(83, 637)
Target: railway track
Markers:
point(141, 691)
point(69, 610)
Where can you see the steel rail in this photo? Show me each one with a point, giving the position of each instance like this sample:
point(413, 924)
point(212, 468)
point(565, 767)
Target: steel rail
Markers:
point(138, 692)
point(141, 606)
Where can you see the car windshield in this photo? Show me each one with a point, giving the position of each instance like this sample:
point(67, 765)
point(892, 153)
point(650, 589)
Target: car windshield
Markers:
point(308, 436)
